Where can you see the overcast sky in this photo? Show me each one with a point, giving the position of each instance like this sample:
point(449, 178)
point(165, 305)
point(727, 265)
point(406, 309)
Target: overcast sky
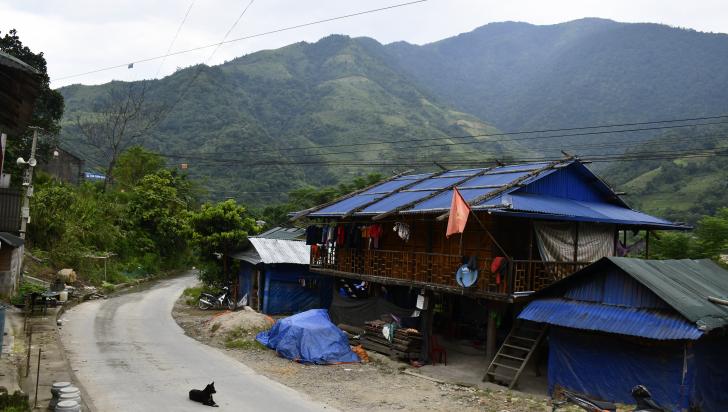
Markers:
point(82, 35)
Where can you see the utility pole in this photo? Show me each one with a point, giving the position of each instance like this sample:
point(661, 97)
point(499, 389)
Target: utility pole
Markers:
point(28, 183)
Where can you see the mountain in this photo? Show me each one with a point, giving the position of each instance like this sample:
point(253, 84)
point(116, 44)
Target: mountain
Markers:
point(682, 187)
point(337, 91)
point(586, 72)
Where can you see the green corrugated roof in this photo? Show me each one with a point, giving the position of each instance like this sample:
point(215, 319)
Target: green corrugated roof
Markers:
point(685, 285)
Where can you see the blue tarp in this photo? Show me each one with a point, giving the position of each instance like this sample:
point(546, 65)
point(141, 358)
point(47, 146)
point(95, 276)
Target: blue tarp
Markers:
point(309, 337)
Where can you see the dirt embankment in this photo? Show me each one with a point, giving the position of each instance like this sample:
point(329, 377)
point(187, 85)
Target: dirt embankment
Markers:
point(375, 386)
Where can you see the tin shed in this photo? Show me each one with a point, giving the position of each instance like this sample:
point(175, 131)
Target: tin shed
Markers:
point(275, 277)
point(621, 322)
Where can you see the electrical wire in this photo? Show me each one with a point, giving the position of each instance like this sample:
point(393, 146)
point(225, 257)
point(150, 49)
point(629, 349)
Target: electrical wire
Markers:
point(174, 38)
point(252, 36)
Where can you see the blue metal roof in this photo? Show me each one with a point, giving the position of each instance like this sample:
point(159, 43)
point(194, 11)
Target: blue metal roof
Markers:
point(344, 206)
point(394, 201)
point(562, 190)
point(549, 207)
point(435, 183)
point(646, 323)
point(388, 187)
point(487, 179)
point(442, 201)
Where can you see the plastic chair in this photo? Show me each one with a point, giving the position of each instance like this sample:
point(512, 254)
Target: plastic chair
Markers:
point(437, 351)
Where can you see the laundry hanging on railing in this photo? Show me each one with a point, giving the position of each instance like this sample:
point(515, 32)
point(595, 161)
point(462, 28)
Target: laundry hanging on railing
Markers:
point(556, 241)
point(349, 235)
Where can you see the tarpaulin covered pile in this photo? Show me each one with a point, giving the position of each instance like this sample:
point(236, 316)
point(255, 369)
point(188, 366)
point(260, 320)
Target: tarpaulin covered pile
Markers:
point(309, 337)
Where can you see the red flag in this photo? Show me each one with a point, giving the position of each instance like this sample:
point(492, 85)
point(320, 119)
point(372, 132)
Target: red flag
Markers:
point(459, 211)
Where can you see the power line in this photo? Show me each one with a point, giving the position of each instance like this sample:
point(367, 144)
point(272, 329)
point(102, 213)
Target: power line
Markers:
point(202, 155)
point(174, 38)
point(298, 26)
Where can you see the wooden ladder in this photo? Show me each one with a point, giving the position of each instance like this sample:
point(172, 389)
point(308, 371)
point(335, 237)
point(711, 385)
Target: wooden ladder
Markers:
point(512, 357)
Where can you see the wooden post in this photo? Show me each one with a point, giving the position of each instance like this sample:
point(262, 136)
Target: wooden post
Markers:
point(647, 244)
point(576, 242)
point(30, 343)
point(490, 340)
point(37, 378)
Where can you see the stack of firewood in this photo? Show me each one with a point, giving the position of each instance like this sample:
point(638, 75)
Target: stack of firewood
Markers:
point(406, 343)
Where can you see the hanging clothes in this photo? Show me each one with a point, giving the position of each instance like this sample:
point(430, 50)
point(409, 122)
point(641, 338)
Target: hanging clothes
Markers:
point(340, 235)
point(403, 230)
point(324, 234)
point(375, 232)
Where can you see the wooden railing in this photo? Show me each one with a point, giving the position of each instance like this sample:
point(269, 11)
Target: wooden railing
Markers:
point(438, 270)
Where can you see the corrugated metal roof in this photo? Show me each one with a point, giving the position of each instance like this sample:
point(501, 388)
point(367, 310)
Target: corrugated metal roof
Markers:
point(271, 251)
point(442, 201)
point(569, 209)
point(435, 183)
point(507, 185)
point(498, 179)
point(286, 233)
point(646, 323)
point(394, 201)
point(684, 285)
point(346, 205)
point(10, 239)
point(388, 187)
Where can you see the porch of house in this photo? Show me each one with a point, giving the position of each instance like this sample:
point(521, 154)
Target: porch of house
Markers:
point(434, 271)
point(467, 363)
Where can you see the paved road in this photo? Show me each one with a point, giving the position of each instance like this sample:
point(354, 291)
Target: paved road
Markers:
point(130, 355)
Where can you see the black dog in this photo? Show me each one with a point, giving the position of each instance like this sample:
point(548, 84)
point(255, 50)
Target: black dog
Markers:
point(204, 396)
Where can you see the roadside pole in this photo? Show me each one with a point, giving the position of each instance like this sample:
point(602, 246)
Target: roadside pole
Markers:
point(28, 183)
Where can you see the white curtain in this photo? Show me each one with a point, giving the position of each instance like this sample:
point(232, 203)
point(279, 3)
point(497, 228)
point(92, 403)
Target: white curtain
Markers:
point(556, 241)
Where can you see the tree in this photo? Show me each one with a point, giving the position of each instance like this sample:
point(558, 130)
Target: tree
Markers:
point(49, 104)
point(158, 215)
point(219, 230)
point(119, 121)
point(135, 163)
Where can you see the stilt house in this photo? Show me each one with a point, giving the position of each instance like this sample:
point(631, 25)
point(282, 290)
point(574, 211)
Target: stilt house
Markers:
point(530, 225)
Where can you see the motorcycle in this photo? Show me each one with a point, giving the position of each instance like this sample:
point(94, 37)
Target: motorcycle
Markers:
point(640, 394)
point(222, 300)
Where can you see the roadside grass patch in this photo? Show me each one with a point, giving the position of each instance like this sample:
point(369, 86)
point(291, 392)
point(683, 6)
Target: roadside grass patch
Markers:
point(243, 339)
point(192, 294)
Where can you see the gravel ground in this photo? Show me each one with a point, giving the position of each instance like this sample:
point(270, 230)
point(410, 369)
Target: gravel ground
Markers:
point(375, 386)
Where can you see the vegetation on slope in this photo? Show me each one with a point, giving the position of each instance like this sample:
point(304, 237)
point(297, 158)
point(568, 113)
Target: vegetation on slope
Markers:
point(338, 91)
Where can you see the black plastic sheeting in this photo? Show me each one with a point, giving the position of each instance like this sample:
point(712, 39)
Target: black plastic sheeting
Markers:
point(355, 312)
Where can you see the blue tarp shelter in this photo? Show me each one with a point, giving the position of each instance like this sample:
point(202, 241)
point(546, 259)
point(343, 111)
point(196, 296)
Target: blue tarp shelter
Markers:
point(275, 277)
point(309, 337)
point(622, 322)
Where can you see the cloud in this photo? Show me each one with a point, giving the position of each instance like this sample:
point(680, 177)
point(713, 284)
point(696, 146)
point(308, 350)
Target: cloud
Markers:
point(82, 35)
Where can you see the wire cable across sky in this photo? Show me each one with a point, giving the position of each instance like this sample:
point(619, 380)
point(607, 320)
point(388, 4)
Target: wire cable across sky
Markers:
point(252, 36)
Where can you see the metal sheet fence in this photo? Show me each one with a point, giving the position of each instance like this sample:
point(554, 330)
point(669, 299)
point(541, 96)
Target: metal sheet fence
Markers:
point(10, 202)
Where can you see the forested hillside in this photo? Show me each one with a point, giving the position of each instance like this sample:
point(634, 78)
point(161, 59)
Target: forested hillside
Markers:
point(235, 122)
point(521, 76)
point(690, 182)
point(248, 128)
